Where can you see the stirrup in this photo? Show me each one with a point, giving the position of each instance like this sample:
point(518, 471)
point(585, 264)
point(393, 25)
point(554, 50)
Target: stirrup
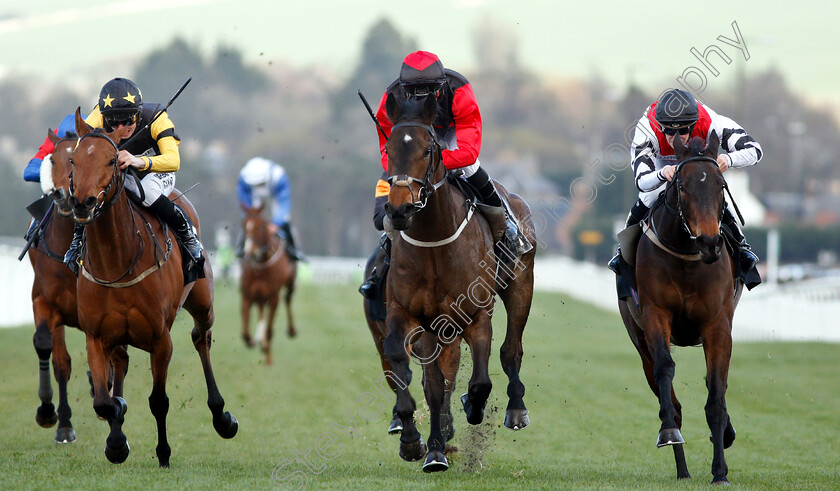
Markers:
point(368, 288)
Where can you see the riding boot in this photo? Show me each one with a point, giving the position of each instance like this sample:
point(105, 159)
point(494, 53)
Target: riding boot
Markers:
point(291, 248)
point(33, 227)
point(176, 219)
point(71, 258)
point(746, 257)
point(382, 261)
point(239, 249)
point(637, 213)
point(502, 225)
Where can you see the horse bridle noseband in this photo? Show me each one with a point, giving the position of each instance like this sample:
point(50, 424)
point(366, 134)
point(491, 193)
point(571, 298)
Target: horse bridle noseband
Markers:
point(426, 188)
point(102, 206)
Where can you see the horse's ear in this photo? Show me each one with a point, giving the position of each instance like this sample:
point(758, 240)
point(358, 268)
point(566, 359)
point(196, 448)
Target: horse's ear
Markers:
point(713, 144)
point(392, 107)
point(82, 128)
point(679, 147)
point(429, 109)
point(52, 136)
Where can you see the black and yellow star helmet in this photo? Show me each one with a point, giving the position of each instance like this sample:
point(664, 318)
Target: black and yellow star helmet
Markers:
point(120, 97)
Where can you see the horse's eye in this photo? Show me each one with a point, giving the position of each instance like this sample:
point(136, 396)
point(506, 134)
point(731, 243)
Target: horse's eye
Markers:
point(427, 152)
point(112, 163)
point(681, 188)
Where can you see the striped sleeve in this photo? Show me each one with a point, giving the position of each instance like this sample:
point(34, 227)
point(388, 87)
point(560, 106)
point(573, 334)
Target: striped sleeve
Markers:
point(741, 148)
point(642, 152)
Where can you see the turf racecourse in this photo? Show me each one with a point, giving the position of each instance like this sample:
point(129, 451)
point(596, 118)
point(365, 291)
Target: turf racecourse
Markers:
point(593, 419)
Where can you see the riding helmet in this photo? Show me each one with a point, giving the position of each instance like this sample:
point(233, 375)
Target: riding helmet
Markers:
point(120, 97)
point(422, 69)
point(676, 108)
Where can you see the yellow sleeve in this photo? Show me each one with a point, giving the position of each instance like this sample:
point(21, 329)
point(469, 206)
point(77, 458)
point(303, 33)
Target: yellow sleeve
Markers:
point(94, 119)
point(169, 159)
point(382, 188)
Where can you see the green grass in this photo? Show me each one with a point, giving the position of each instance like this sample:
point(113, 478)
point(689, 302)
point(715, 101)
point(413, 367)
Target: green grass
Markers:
point(593, 418)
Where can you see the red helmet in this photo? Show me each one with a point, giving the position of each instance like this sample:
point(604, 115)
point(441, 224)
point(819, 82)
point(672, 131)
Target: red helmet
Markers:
point(422, 73)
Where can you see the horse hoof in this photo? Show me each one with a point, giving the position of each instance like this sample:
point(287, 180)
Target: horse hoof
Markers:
point(435, 462)
point(65, 435)
point(117, 455)
point(45, 415)
point(227, 426)
point(721, 481)
point(396, 426)
point(413, 450)
point(248, 341)
point(292, 332)
point(474, 416)
point(669, 436)
point(516, 419)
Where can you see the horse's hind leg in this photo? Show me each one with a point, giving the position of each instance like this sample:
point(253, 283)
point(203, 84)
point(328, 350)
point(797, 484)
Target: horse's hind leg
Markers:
point(517, 299)
point(718, 350)
point(478, 335)
point(245, 310)
point(269, 329)
point(158, 400)
point(45, 415)
point(200, 306)
point(449, 360)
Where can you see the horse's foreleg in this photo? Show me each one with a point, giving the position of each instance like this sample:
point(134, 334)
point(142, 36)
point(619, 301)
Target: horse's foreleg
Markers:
point(245, 310)
point(62, 369)
point(225, 423)
point(269, 329)
point(478, 335)
point(718, 350)
point(109, 408)
point(412, 446)
point(657, 336)
point(287, 298)
point(45, 415)
point(158, 400)
point(518, 306)
point(433, 386)
point(119, 366)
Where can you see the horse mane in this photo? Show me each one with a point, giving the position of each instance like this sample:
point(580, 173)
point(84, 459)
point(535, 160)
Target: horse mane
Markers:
point(411, 108)
point(696, 146)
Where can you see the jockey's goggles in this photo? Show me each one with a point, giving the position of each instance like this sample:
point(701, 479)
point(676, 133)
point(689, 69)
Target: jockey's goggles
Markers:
point(115, 120)
point(673, 130)
point(422, 90)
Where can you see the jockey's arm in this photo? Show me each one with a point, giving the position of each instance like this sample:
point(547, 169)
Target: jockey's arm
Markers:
point(642, 152)
point(467, 130)
point(742, 149)
point(380, 198)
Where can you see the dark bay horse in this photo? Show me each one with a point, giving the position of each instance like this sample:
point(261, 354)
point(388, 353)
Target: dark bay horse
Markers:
point(442, 280)
point(130, 287)
point(54, 296)
point(450, 359)
point(686, 296)
point(266, 270)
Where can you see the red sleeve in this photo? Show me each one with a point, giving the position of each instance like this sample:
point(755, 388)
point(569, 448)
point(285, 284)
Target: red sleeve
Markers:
point(386, 124)
point(45, 149)
point(467, 129)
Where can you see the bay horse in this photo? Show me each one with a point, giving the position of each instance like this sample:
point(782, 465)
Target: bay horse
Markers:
point(130, 287)
point(443, 280)
point(266, 270)
point(687, 296)
point(450, 358)
point(54, 296)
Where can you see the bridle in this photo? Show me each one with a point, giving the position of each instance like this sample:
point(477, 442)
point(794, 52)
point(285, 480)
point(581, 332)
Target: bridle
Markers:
point(426, 187)
point(103, 205)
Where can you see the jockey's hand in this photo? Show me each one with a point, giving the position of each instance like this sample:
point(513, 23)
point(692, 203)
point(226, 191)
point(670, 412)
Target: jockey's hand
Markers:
point(724, 162)
point(668, 172)
point(273, 228)
point(126, 159)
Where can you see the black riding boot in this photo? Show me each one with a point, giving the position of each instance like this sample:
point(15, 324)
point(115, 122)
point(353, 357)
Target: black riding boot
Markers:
point(175, 218)
point(71, 258)
point(382, 259)
point(33, 227)
point(291, 248)
point(636, 215)
point(240, 244)
point(746, 257)
point(502, 226)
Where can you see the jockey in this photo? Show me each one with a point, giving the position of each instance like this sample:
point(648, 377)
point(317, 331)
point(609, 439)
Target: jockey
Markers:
point(263, 181)
point(458, 128)
point(154, 154)
point(654, 163)
point(32, 172)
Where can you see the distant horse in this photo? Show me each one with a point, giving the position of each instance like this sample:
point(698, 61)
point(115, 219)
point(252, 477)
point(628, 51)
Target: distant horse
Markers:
point(54, 297)
point(450, 358)
point(686, 296)
point(443, 280)
point(266, 269)
point(130, 287)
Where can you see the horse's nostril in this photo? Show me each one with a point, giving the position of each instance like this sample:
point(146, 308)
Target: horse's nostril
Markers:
point(90, 202)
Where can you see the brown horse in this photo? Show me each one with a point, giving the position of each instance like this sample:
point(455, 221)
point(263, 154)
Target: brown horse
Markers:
point(266, 270)
point(443, 280)
point(686, 296)
point(54, 297)
point(450, 359)
point(130, 287)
